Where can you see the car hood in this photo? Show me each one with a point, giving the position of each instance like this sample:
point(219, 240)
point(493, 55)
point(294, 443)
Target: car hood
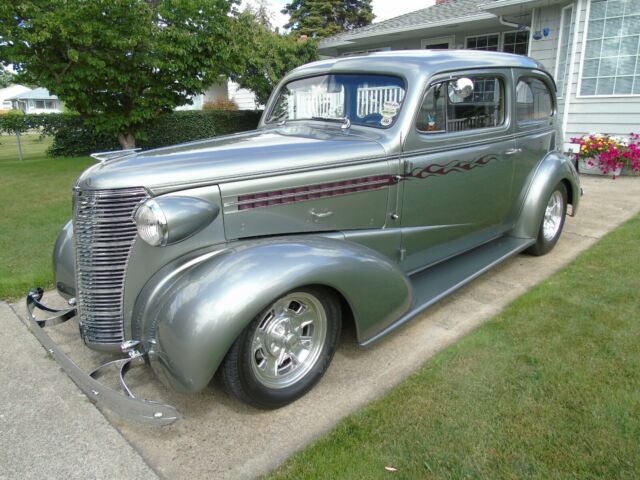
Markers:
point(234, 157)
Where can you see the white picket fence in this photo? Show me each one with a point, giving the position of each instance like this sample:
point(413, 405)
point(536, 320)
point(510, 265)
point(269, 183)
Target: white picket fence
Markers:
point(372, 99)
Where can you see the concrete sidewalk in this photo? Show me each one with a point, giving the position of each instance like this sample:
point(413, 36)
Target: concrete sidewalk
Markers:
point(222, 438)
point(48, 428)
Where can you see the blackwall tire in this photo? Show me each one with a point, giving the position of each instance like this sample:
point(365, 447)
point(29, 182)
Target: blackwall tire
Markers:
point(285, 350)
point(552, 222)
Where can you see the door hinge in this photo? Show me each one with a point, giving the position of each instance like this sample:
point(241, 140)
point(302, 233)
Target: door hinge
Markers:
point(401, 254)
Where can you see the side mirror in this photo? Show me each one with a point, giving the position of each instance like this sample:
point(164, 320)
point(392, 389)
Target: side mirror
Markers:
point(460, 89)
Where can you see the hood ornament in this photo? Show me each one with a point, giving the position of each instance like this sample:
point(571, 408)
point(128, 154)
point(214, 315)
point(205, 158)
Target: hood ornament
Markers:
point(113, 155)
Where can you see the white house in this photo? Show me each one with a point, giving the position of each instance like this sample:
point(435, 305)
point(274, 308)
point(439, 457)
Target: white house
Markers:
point(8, 92)
point(38, 100)
point(592, 47)
point(226, 90)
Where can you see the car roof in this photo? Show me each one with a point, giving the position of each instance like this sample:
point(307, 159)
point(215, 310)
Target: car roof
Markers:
point(431, 61)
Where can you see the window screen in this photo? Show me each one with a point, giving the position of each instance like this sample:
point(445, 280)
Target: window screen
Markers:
point(611, 65)
point(533, 101)
point(443, 111)
point(484, 42)
point(516, 42)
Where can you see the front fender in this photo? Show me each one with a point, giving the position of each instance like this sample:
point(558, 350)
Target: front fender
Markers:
point(193, 310)
point(553, 169)
point(64, 262)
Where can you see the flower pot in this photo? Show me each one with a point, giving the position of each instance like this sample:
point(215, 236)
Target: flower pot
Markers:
point(629, 172)
point(594, 168)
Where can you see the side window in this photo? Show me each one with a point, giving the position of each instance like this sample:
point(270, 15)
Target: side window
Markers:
point(534, 101)
point(444, 111)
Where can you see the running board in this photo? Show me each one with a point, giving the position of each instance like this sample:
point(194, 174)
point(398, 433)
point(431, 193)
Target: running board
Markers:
point(435, 283)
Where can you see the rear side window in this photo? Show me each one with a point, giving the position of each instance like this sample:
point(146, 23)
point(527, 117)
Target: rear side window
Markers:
point(534, 101)
point(444, 111)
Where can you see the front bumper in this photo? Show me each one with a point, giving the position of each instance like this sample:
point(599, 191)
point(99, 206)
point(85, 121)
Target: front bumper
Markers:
point(124, 404)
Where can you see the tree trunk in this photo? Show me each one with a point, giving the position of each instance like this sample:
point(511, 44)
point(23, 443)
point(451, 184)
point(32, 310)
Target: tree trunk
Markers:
point(19, 146)
point(127, 140)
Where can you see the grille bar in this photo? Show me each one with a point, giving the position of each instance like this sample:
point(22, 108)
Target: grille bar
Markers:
point(104, 231)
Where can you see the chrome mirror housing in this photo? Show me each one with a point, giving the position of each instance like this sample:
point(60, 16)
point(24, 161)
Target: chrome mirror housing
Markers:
point(460, 89)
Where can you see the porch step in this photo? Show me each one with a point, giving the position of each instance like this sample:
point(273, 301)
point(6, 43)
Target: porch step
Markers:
point(435, 283)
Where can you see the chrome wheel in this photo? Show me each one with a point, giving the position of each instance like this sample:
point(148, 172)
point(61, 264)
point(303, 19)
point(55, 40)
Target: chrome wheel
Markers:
point(553, 216)
point(289, 339)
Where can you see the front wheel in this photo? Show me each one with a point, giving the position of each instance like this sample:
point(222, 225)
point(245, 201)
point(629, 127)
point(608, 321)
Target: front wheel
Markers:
point(552, 222)
point(285, 350)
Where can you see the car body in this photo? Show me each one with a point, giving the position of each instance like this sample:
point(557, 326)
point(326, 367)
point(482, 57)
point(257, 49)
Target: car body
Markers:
point(446, 166)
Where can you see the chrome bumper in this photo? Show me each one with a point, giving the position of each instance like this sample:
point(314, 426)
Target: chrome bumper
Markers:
point(124, 404)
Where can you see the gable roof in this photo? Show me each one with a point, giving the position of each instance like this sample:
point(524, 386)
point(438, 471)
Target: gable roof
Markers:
point(35, 94)
point(452, 11)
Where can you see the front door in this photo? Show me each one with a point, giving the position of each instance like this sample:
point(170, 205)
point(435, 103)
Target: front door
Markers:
point(457, 169)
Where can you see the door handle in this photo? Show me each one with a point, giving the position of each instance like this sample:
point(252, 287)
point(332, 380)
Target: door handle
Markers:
point(513, 151)
point(326, 214)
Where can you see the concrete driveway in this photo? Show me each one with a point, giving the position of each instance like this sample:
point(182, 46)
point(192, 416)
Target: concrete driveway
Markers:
point(221, 438)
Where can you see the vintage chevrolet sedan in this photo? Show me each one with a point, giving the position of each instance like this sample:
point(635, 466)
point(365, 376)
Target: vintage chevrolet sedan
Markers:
point(373, 187)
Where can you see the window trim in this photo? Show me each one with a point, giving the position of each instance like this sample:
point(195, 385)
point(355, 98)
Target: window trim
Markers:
point(560, 39)
point(449, 39)
point(514, 31)
point(437, 135)
point(499, 34)
point(582, 59)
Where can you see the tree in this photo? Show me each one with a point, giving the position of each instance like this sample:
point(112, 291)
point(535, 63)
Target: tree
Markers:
point(6, 77)
point(323, 18)
point(267, 55)
point(120, 63)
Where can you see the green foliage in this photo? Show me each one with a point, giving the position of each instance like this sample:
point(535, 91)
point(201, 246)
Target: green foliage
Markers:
point(74, 136)
point(323, 18)
point(120, 63)
point(6, 77)
point(268, 56)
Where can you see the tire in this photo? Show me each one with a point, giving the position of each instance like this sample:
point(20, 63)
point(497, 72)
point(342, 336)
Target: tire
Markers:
point(550, 231)
point(285, 350)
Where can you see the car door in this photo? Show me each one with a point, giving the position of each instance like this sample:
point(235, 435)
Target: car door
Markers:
point(457, 168)
point(534, 124)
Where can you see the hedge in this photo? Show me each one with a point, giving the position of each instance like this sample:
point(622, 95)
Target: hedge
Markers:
point(72, 136)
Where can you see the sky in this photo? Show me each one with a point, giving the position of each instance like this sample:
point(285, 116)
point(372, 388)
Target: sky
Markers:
point(383, 9)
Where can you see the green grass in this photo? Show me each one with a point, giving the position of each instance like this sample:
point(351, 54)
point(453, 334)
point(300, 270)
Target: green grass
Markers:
point(33, 147)
point(548, 389)
point(35, 199)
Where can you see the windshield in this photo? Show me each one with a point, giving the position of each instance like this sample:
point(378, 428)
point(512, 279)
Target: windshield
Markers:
point(371, 100)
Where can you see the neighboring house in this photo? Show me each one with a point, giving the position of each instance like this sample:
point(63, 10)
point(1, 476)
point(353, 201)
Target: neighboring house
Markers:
point(592, 47)
point(38, 100)
point(224, 91)
point(8, 92)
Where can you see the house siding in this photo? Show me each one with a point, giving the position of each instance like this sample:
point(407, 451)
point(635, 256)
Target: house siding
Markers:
point(614, 115)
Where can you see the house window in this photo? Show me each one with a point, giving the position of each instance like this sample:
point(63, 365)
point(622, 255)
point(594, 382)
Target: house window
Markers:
point(40, 104)
point(566, 40)
point(443, 111)
point(484, 42)
point(610, 61)
point(516, 42)
point(533, 101)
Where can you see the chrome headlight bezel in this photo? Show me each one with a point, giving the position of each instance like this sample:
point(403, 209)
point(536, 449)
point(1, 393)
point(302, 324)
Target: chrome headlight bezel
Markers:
point(153, 217)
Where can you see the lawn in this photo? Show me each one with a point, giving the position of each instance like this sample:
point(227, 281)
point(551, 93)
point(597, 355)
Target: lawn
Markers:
point(548, 389)
point(33, 147)
point(35, 198)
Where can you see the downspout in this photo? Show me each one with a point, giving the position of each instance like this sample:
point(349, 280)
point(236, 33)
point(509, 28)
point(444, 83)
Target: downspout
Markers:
point(519, 26)
point(574, 48)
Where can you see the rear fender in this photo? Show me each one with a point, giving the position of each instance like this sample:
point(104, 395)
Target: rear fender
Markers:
point(553, 169)
point(192, 311)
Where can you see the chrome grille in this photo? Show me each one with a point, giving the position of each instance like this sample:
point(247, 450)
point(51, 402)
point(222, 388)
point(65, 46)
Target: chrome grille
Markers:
point(104, 231)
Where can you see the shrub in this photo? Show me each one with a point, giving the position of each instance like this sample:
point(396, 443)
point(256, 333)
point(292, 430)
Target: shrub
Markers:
point(72, 136)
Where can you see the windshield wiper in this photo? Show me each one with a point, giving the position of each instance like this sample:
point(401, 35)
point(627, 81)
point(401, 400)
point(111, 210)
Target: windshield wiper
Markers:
point(346, 123)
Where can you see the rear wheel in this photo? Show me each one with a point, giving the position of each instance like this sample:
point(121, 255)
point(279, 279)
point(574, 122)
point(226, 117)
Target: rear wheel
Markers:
point(552, 222)
point(285, 350)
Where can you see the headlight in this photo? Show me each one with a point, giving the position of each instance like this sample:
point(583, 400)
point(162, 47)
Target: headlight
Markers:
point(165, 220)
point(152, 223)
